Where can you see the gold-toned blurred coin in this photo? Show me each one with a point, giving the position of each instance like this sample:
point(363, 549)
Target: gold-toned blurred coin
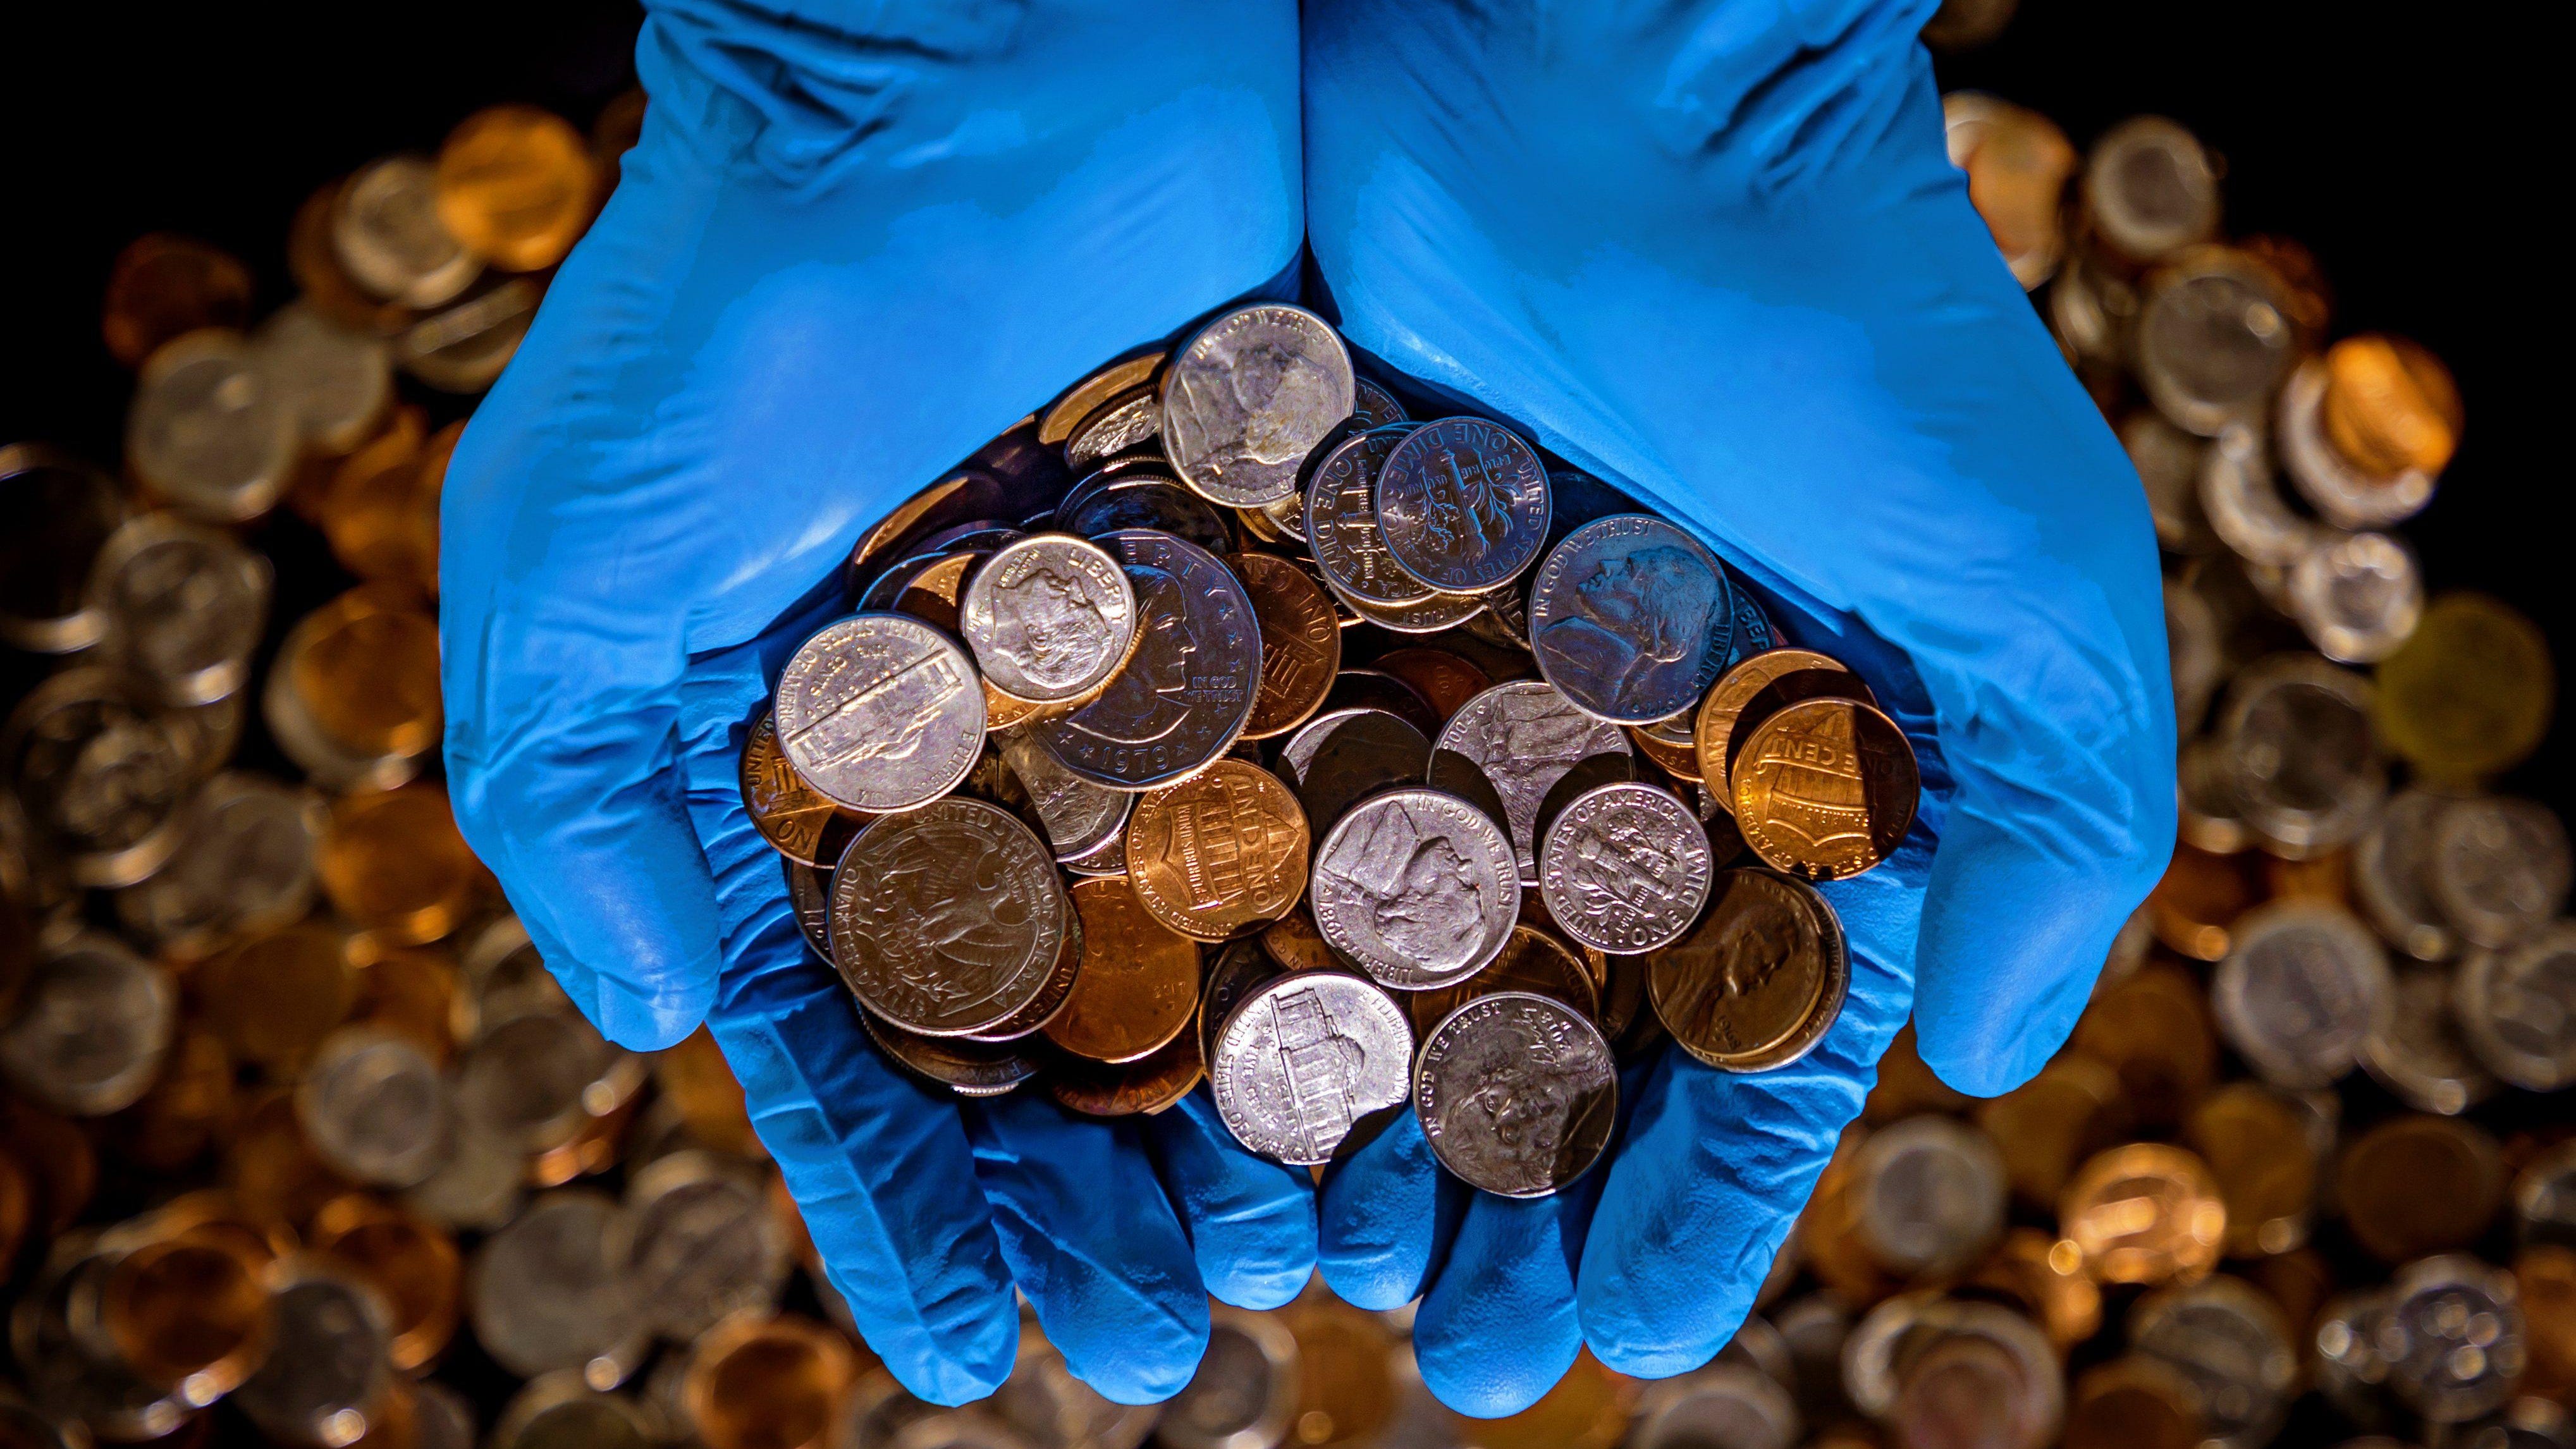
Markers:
point(56, 1159)
point(2258, 1148)
point(1057, 423)
point(1589, 1408)
point(409, 990)
point(412, 1263)
point(1345, 1393)
point(2196, 903)
point(2390, 405)
point(18, 1204)
point(1220, 851)
point(766, 1381)
point(2045, 1274)
point(1139, 980)
point(1758, 981)
point(2144, 1212)
point(2326, 877)
point(2133, 1402)
point(275, 997)
point(596, 1145)
point(273, 1172)
point(2545, 1274)
point(697, 1081)
point(1825, 788)
point(189, 1110)
point(188, 1314)
point(2017, 172)
point(1713, 732)
point(163, 285)
point(1137, 1089)
point(368, 672)
point(1301, 642)
point(2050, 1123)
point(516, 186)
point(2418, 1184)
point(2154, 1030)
point(2470, 692)
point(794, 817)
point(394, 863)
point(1532, 961)
point(934, 592)
point(381, 510)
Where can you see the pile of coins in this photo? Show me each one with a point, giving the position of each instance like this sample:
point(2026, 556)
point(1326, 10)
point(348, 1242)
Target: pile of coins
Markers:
point(1224, 722)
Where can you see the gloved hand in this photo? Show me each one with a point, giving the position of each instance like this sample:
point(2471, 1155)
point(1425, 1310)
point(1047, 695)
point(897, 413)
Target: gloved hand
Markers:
point(854, 242)
point(1715, 251)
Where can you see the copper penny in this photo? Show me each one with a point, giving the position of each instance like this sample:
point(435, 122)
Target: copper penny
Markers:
point(791, 815)
point(1758, 981)
point(515, 184)
point(1444, 680)
point(1296, 945)
point(190, 1311)
point(1712, 735)
point(1825, 789)
point(1532, 961)
point(1139, 981)
point(1138, 1089)
point(1301, 642)
point(1220, 851)
point(1679, 761)
point(164, 285)
point(1089, 395)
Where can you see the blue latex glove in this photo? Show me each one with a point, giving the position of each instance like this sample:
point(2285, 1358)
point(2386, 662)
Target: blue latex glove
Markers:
point(1716, 250)
point(854, 242)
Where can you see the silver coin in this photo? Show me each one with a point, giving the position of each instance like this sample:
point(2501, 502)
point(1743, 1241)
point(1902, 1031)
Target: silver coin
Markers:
point(56, 512)
point(1079, 817)
point(2197, 651)
point(1625, 868)
point(2342, 493)
point(560, 1411)
point(2306, 760)
point(441, 1419)
point(1335, 760)
point(2243, 502)
point(65, 1369)
point(1249, 397)
point(1341, 523)
point(2214, 340)
point(1723, 1406)
point(91, 1025)
point(2302, 986)
point(1304, 1058)
point(552, 1290)
point(1464, 505)
point(386, 234)
point(478, 1190)
point(1517, 1094)
point(462, 348)
point(1045, 1402)
point(1423, 616)
point(703, 1242)
point(335, 380)
point(530, 1080)
point(1522, 738)
point(1631, 619)
point(2358, 595)
point(244, 864)
point(2420, 1054)
point(329, 1365)
point(2150, 188)
point(1049, 617)
point(208, 429)
point(880, 712)
point(375, 1108)
point(2498, 868)
point(1245, 1390)
point(947, 919)
point(2351, 1372)
point(2169, 463)
point(2228, 1340)
point(2455, 1340)
point(2090, 310)
point(1185, 693)
point(1122, 423)
point(185, 605)
point(105, 783)
point(2211, 798)
point(1417, 887)
point(1374, 407)
point(958, 1429)
point(1869, 1350)
point(1928, 1195)
point(1150, 501)
point(2517, 1009)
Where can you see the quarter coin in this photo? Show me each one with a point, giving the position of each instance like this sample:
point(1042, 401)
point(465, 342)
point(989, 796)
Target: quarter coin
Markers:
point(880, 712)
point(947, 919)
point(1517, 1094)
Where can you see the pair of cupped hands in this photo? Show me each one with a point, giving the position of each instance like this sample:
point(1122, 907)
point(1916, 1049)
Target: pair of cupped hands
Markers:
point(1712, 251)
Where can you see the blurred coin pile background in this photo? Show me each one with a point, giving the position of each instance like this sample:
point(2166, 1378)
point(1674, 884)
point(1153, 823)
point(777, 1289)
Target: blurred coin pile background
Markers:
point(2295, 1179)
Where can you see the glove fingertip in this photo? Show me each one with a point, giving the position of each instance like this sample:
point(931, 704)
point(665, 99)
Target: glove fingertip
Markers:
point(652, 1021)
point(1483, 1384)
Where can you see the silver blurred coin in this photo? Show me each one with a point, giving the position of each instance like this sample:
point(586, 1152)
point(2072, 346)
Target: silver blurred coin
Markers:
point(1464, 505)
point(2298, 731)
point(2517, 1009)
point(1244, 1393)
point(2528, 1422)
point(376, 1108)
point(553, 1291)
point(56, 512)
point(244, 863)
point(441, 1419)
point(1977, 1373)
point(2418, 1052)
point(2214, 340)
point(1869, 1350)
point(704, 1242)
point(328, 1366)
point(386, 234)
point(335, 380)
point(1249, 397)
point(1723, 1406)
point(532, 1080)
point(2149, 188)
point(2351, 1372)
point(1522, 738)
point(2211, 798)
point(2168, 461)
point(947, 919)
point(2342, 493)
point(64, 1370)
point(2498, 868)
point(880, 712)
point(2358, 595)
point(1304, 1058)
point(1335, 760)
point(1631, 618)
point(209, 430)
point(478, 1188)
point(1184, 695)
point(1341, 523)
point(1045, 1402)
point(1625, 868)
point(2197, 650)
point(1049, 617)
point(185, 606)
point(90, 1027)
point(1517, 1093)
point(1374, 407)
point(2391, 875)
point(2302, 986)
point(462, 348)
point(2242, 500)
point(1928, 1195)
point(960, 1429)
point(560, 1411)
point(2228, 1340)
point(1417, 887)
point(1145, 500)
point(2454, 1338)
point(2091, 308)
point(1122, 423)
point(1078, 816)
point(102, 781)
point(2544, 1198)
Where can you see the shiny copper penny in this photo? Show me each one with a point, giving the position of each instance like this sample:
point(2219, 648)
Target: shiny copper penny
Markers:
point(516, 186)
point(2144, 1212)
point(764, 1381)
point(410, 1261)
point(1532, 961)
point(2390, 405)
point(1758, 981)
point(190, 1313)
point(1218, 852)
point(1713, 732)
point(1296, 945)
point(1825, 788)
point(1139, 981)
point(1301, 642)
point(395, 864)
point(1140, 1088)
point(1679, 761)
point(791, 815)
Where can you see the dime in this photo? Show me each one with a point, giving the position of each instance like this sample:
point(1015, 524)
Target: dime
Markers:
point(1049, 616)
point(966, 1066)
point(2358, 595)
point(1374, 407)
point(56, 512)
point(1220, 851)
point(1079, 817)
point(1426, 616)
point(947, 919)
point(2298, 733)
point(794, 817)
point(463, 348)
point(2498, 868)
point(375, 1108)
point(1338, 759)
point(1516, 1093)
point(2213, 340)
point(2420, 1053)
point(1301, 1060)
point(1417, 886)
point(1463, 504)
point(336, 380)
point(1241, 968)
point(2149, 188)
point(1631, 619)
point(1138, 1089)
point(2169, 463)
point(1443, 680)
point(1521, 739)
point(2301, 988)
point(1301, 642)
point(1244, 1393)
point(329, 1366)
point(2517, 1009)
point(2455, 1337)
point(2469, 694)
point(185, 605)
point(1825, 788)
point(1183, 698)
point(386, 236)
point(880, 712)
point(1733, 1404)
point(1533, 962)
point(1761, 978)
point(1625, 867)
point(1092, 392)
point(2346, 491)
point(104, 784)
point(552, 1290)
point(1341, 523)
point(2243, 501)
point(1247, 399)
point(1139, 979)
